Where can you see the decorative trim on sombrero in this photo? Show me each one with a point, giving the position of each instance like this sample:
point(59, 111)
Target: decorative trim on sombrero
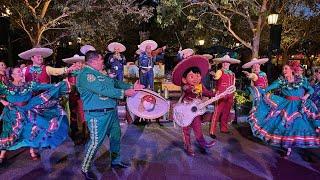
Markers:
point(75, 58)
point(44, 52)
point(187, 52)
point(255, 61)
point(114, 45)
point(228, 59)
point(84, 49)
point(208, 56)
point(136, 106)
point(146, 43)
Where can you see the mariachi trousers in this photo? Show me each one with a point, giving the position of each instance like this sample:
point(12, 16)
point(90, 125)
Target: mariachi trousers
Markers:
point(196, 126)
point(102, 124)
point(221, 114)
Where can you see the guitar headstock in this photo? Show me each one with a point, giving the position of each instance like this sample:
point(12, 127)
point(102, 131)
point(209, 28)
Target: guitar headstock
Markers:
point(230, 90)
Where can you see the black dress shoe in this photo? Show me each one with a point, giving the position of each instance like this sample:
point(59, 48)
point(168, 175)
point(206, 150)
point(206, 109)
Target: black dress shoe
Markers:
point(120, 165)
point(89, 175)
point(203, 150)
point(213, 136)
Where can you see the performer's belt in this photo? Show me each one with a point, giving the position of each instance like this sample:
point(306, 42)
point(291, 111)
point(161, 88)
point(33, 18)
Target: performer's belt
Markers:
point(20, 103)
point(293, 98)
point(100, 110)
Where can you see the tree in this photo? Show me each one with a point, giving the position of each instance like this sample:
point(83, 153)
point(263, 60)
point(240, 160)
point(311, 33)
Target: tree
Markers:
point(299, 24)
point(46, 22)
point(228, 14)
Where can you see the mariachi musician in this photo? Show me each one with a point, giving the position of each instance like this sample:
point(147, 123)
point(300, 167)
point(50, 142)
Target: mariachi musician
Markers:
point(148, 56)
point(225, 78)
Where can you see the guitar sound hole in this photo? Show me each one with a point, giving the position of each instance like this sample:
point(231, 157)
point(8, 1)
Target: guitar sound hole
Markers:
point(194, 109)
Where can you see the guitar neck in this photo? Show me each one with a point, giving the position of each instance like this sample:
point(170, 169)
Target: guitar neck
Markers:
point(206, 103)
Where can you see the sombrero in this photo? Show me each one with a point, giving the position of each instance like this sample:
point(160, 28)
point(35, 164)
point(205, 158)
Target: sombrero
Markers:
point(114, 45)
point(228, 59)
point(75, 58)
point(44, 52)
point(146, 43)
point(187, 52)
point(147, 104)
point(84, 49)
point(255, 61)
point(193, 61)
point(208, 56)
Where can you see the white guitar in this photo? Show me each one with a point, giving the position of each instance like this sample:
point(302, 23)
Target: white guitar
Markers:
point(184, 113)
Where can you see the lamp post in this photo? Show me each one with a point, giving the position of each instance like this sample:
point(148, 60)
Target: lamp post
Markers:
point(274, 42)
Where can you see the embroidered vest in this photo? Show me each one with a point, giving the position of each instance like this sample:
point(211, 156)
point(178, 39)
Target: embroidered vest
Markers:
point(262, 81)
point(43, 77)
point(226, 80)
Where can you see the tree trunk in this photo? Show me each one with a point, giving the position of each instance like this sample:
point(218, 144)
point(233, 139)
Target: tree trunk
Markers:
point(255, 45)
point(285, 57)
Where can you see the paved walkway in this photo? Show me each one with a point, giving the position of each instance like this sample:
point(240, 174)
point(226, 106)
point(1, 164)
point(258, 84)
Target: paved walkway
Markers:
point(156, 153)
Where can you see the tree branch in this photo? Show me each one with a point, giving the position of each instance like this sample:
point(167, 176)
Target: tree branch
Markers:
point(45, 8)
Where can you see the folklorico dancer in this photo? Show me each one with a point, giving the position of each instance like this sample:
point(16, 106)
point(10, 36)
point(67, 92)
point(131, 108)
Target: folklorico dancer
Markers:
point(316, 86)
point(257, 77)
point(76, 110)
point(117, 60)
point(225, 78)
point(290, 120)
point(183, 54)
point(37, 71)
point(99, 93)
point(24, 125)
point(188, 74)
point(148, 56)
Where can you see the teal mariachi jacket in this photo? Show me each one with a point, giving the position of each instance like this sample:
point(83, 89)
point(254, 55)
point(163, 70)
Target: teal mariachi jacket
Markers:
point(99, 91)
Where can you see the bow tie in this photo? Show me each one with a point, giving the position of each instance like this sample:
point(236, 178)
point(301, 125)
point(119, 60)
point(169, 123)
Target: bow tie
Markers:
point(36, 69)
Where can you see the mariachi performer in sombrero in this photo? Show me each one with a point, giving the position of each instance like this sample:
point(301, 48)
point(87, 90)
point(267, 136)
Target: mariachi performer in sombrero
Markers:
point(188, 74)
point(75, 103)
point(117, 60)
point(290, 120)
point(37, 71)
point(257, 77)
point(40, 73)
point(225, 78)
point(148, 56)
point(185, 53)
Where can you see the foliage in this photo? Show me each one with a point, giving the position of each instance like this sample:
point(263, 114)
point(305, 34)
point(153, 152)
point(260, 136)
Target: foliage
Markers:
point(241, 97)
point(47, 21)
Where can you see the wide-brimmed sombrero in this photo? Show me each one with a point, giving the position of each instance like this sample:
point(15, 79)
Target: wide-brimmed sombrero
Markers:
point(187, 52)
point(193, 61)
point(75, 58)
point(228, 59)
point(208, 56)
point(112, 46)
point(84, 49)
point(146, 43)
point(255, 61)
point(44, 52)
point(147, 104)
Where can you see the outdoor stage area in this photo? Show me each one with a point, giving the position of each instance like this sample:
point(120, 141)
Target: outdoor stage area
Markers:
point(156, 152)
